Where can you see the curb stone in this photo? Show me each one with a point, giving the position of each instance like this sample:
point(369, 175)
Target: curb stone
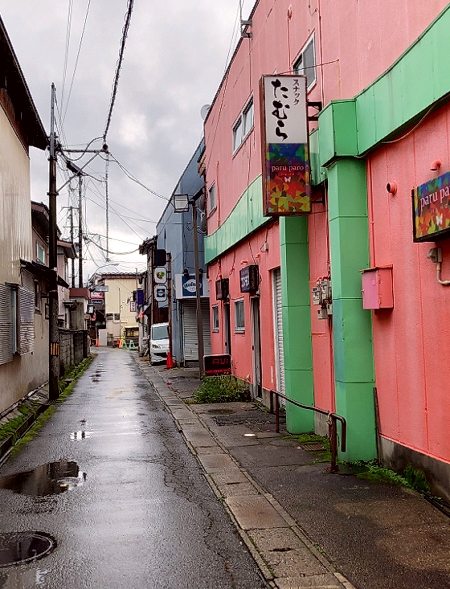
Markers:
point(328, 578)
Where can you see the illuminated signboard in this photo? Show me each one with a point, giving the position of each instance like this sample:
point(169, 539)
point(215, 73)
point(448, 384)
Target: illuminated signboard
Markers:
point(217, 364)
point(249, 278)
point(431, 209)
point(285, 146)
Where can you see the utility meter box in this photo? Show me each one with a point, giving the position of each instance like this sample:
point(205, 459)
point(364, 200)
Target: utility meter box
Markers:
point(377, 290)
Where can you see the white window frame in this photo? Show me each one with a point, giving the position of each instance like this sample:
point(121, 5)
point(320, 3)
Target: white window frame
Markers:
point(215, 318)
point(212, 197)
point(308, 70)
point(244, 124)
point(239, 316)
point(40, 253)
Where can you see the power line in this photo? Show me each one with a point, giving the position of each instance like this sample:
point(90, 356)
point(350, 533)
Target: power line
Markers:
point(119, 65)
point(76, 60)
point(134, 179)
point(66, 55)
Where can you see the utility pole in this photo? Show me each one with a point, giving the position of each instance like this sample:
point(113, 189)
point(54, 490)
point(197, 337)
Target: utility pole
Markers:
point(72, 280)
point(80, 230)
point(53, 331)
point(197, 291)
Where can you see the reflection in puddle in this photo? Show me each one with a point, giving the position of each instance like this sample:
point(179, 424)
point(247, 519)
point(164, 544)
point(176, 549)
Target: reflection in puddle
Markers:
point(22, 547)
point(48, 479)
point(81, 435)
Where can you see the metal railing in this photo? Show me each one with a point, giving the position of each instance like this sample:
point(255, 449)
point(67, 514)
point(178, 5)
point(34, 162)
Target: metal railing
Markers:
point(332, 420)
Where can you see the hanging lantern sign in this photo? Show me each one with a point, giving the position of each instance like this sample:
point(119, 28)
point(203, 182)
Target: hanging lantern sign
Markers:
point(285, 146)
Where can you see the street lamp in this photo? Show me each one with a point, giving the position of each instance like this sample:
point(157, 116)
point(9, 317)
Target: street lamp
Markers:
point(181, 203)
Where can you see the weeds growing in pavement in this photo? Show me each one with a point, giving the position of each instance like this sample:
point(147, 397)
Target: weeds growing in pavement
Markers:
point(221, 389)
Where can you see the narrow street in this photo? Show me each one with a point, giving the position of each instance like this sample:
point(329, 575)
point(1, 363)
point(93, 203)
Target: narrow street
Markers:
point(119, 492)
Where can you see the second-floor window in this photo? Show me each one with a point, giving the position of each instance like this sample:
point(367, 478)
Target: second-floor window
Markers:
point(212, 198)
point(40, 253)
point(243, 125)
point(305, 65)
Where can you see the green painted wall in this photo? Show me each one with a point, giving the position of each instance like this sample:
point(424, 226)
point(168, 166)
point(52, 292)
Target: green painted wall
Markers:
point(296, 322)
point(246, 217)
point(352, 330)
point(395, 100)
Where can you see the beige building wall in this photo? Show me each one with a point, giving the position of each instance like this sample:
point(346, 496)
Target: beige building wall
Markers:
point(117, 302)
point(30, 370)
point(15, 211)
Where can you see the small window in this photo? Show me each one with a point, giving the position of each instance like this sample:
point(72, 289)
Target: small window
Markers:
point(215, 318)
point(237, 134)
point(306, 64)
point(116, 316)
point(247, 118)
point(212, 197)
point(37, 296)
point(243, 125)
point(109, 316)
point(239, 323)
point(40, 253)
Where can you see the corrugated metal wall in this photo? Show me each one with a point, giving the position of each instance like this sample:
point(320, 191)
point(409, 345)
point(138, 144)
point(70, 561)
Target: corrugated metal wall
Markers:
point(6, 339)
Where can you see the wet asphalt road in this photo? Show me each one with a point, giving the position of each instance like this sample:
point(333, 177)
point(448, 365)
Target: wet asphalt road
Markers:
point(125, 500)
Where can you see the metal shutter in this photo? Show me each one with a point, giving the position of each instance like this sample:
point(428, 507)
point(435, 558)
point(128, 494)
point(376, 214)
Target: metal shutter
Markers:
point(278, 316)
point(206, 327)
point(190, 347)
point(6, 325)
point(26, 327)
point(190, 329)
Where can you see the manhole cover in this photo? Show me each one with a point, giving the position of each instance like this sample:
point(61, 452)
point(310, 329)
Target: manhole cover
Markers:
point(20, 547)
point(221, 411)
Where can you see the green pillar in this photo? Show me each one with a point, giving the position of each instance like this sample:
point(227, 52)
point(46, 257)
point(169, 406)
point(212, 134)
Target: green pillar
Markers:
point(296, 322)
point(352, 331)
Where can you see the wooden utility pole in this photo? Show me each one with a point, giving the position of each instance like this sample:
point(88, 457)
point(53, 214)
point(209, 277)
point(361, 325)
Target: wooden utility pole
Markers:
point(53, 331)
point(80, 230)
point(72, 278)
point(197, 291)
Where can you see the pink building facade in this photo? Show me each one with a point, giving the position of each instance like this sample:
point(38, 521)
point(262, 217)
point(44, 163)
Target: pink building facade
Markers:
point(373, 348)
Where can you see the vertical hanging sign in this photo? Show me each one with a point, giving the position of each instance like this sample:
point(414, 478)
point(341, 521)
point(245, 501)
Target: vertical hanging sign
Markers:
point(285, 147)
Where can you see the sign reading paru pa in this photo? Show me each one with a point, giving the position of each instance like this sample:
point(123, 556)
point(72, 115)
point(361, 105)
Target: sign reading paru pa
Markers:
point(431, 209)
point(217, 364)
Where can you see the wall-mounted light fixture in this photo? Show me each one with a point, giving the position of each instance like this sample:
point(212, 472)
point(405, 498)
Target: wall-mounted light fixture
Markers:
point(434, 167)
point(186, 273)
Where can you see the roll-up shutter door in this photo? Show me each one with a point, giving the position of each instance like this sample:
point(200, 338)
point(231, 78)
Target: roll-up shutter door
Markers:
point(279, 332)
point(190, 347)
point(6, 326)
point(26, 328)
point(190, 329)
point(206, 327)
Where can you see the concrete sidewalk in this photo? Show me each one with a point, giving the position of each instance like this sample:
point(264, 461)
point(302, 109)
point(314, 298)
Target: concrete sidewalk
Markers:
point(305, 528)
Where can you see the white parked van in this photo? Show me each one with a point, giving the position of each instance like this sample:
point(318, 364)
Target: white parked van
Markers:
point(159, 342)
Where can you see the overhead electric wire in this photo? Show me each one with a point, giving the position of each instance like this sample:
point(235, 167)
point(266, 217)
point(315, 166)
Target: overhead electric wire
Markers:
point(66, 55)
point(98, 193)
point(134, 179)
point(119, 66)
point(76, 61)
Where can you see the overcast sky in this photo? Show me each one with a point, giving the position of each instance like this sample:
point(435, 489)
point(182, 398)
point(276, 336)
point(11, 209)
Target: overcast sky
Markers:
point(175, 57)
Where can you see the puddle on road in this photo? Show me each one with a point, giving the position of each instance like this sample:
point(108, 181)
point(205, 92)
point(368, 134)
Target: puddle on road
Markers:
point(22, 547)
point(49, 479)
point(80, 435)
